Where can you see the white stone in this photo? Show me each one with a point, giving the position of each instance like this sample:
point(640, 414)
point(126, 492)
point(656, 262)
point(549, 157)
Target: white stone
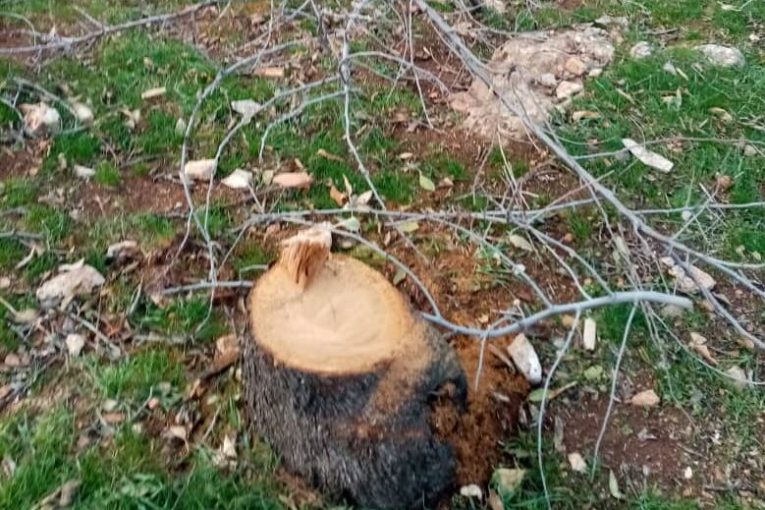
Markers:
point(566, 89)
point(723, 56)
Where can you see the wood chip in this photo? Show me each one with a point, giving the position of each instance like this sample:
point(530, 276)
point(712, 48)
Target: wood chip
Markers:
point(589, 335)
point(647, 157)
point(153, 93)
point(290, 180)
point(270, 72)
point(199, 170)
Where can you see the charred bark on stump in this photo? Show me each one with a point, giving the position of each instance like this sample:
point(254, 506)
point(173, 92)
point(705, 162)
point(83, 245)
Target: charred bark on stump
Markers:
point(336, 431)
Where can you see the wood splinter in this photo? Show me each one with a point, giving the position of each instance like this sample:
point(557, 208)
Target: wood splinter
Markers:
point(339, 377)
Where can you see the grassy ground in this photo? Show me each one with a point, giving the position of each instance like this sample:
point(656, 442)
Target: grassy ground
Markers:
point(87, 419)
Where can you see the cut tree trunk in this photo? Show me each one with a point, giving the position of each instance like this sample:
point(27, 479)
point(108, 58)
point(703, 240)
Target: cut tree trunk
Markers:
point(340, 375)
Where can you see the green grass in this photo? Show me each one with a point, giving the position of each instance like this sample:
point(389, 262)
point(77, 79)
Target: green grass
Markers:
point(107, 175)
point(183, 317)
point(125, 473)
point(136, 376)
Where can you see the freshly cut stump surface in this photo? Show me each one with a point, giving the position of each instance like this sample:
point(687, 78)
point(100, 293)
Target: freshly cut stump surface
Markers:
point(340, 376)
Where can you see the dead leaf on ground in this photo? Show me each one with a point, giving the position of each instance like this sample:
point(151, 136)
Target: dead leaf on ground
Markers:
point(613, 486)
point(290, 180)
point(82, 112)
point(508, 480)
point(648, 157)
point(426, 183)
point(247, 108)
point(336, 195)
point(328, 155)
point(176, 432)
point(698, 344)
point(270, 72)
point(74, 344)
point(68, 493)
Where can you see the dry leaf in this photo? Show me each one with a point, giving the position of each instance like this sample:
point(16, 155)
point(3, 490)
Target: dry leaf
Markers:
point(238, 179)
point(293, 180)
point(613, 486)
point(364, 198)
point(153, 93)
point(525, 358)
point(327, 155)
point(26, 316)
point(646, 398)
point(520, 242)
point(589, 334)
point(426, 183)
point(199, 170)
point(336, 195)
point(539, 394)
point(647, 157)
point(584, 114)
point(577, 462)
point(698, 344)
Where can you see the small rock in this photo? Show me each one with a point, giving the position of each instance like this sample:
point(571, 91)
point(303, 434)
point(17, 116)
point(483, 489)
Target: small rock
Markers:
point(648, 157)
point(548, 80)
point(247, 108)
point(750, 151)
point(83, 113)
point(723, 56)
point(641, 50)
point(686, 283)
point(672, 312)
point(471, 491)
point(238, 179)
point(525, 358)
point(12, 360)
point(199, 170)
point(594, 73)
point(575, 66)
point(577, 462)
point(647, 398)
point(83, 172)
point(738, 377)
point(40, 119)
point(566, 89)
point(74, 344)
point(122, 251)
point(688, 473)
point(153, 403)
point(670, 68)
point(73, 280)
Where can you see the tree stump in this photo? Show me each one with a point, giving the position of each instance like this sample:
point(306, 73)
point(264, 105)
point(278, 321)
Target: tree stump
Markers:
point(340, 375)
